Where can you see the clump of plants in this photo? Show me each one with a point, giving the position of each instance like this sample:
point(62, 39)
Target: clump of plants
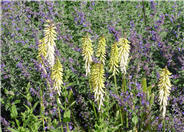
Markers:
point(91, 66)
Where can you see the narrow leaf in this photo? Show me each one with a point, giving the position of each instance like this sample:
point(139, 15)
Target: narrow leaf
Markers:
point(124, 85)
point(144, 85)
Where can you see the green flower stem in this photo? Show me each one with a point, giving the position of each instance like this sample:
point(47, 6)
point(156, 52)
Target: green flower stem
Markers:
point(59, 113)
point(144, 12)
point(124, 89)
point(68, 130)
point(43, 124)
point(42, 109)
point(127, 119)
point(93, 102)
point(124, 84)
point(115, 82)
point(121, 115)
point(163, 125)
point(118, 107)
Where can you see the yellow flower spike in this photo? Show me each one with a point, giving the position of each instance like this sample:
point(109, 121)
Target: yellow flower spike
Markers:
point(123, 54)
point(87, 52)
point(101, 49)
point(50, 37)
point(42, 50)
point(114, 59)
point(50, 33)
point(97, 80)
point(164, 89)
point(57, 76)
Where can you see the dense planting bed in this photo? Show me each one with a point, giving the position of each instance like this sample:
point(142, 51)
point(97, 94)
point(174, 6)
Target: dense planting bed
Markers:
point(92, 66)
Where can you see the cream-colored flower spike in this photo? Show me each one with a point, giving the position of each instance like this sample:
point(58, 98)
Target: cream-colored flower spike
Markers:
point(97, 82)
point(50, 37)
point(124, 50)
point(164, 89)
point(114, 59)
point(42, 52)
point(57, 76)
point(87, 52)
point(101, 49)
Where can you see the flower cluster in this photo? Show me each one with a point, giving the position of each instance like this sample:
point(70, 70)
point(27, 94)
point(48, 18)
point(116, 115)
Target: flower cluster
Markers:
point(57, 76)
point(46, 50)
point(101, 49)
point(97, 82)
point(114, 59)
point(42, 52)
point(164, 89)
point(50, 37)
point(87, 52)
point(123, 53)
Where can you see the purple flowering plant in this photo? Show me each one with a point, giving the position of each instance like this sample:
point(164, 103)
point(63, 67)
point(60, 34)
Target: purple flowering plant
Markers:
point(131, 102)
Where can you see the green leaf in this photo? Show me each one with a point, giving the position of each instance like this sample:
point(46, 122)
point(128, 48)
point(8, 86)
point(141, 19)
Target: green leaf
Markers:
point(152, 99)
point(135, 120)
point(18, 123)
point(12, 130)
point(9, 93)
point(144, 85)
point(149, 92)
point(28, 87)
point(13, 111)
point(69, 84)
point(124, 84)
point(34, 106)
point(2, 100)
point(16, 101)
point(60, 105)
point(67, 116)
point(27, 107)
point(117, 115)
point(72, 104)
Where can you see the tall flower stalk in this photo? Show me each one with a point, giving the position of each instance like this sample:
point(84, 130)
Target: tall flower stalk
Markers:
point(124, 50)
point(50, 37)
point(57, 78)
point(164, 89)
point(114, 64)
point(97, 82)
point(87, 53)
point(46, 50)
point(101, 49)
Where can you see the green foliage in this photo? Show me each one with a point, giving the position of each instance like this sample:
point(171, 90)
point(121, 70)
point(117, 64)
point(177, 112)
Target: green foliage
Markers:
point(13, 112)
point(31, 122)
